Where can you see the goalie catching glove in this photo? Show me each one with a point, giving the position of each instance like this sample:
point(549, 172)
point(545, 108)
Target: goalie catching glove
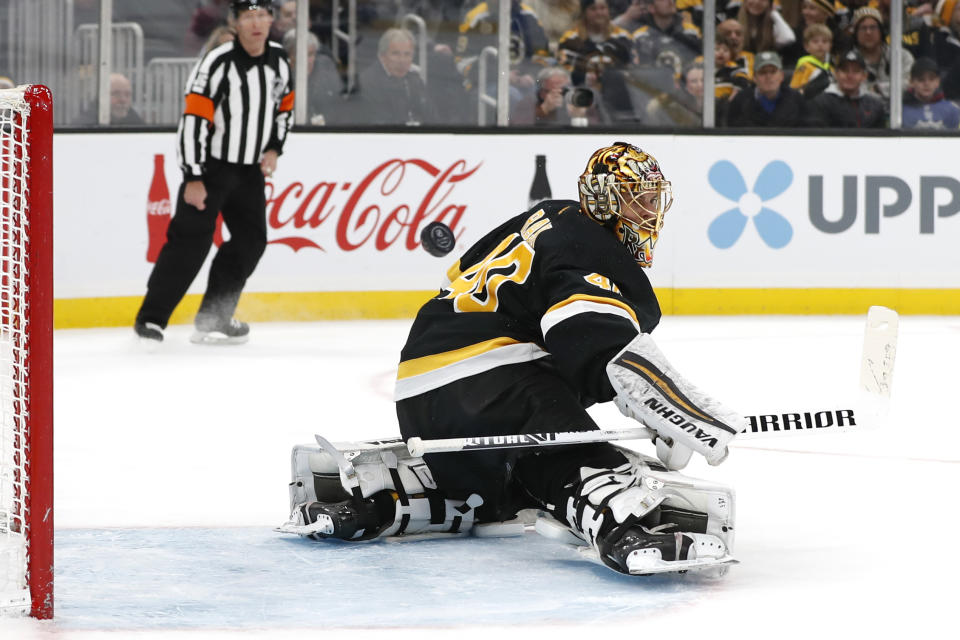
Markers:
point(686, 420)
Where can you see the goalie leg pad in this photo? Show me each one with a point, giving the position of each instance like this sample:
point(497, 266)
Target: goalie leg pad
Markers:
point(651, 391)
point(641, 518)
point(360, 491)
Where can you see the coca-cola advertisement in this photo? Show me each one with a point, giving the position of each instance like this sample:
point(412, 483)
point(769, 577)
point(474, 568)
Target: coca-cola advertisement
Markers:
point(159, 209)
point(381, 209)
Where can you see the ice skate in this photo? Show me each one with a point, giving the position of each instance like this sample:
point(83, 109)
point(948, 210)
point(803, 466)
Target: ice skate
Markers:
point(148, 331)
point(212, 330)
point(663, 549)
point(342, 520)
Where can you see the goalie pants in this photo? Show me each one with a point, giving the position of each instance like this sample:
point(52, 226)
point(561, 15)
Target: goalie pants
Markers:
point(236, 191)
point(529, 397)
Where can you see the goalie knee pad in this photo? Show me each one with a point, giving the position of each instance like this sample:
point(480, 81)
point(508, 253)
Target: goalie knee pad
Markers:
point(360, 491)
point(641, 518)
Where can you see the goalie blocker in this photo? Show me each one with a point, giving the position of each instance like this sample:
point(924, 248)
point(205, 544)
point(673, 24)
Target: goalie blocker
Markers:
point(686, 420)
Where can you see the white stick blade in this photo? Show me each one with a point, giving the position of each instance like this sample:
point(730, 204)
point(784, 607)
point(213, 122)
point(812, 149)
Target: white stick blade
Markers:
point(879, 351)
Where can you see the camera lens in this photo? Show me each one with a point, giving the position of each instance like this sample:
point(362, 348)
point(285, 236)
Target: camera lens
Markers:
point(581, 97)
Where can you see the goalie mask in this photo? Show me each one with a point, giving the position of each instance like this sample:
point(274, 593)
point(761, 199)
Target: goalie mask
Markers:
point(622, 188)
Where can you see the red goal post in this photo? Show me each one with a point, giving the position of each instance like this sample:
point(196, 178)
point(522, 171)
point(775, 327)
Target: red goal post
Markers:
point(26, 351)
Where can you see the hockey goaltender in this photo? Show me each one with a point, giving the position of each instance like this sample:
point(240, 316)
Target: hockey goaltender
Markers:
point(546, 315)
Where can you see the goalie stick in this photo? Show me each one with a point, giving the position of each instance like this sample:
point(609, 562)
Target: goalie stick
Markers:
point(876, 378)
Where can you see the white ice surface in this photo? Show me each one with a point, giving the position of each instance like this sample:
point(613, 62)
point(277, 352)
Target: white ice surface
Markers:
point(171, 470)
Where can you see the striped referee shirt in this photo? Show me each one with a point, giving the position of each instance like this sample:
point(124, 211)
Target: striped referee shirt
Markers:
point(237, 107)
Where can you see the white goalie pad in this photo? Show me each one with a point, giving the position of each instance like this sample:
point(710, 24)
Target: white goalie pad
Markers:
point(701, 509)
point(334, 472)
point(651, 391)
point(331, 472)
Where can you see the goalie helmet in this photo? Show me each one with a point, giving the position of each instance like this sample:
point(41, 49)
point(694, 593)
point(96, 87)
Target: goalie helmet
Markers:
point(622, 188)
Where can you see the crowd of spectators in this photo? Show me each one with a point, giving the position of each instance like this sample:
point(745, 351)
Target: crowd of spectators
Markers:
point(598, 62)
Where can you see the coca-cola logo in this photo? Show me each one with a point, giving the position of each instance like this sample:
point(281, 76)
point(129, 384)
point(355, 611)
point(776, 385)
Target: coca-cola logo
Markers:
point(159, 208)
point(387, 207)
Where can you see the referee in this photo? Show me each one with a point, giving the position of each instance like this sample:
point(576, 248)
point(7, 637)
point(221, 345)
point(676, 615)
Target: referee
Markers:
point(239, 104)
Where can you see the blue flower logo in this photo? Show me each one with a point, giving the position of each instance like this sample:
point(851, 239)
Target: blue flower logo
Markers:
point(726, 229)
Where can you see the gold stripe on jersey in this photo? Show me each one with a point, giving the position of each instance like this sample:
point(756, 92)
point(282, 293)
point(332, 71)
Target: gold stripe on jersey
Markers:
point(598, 299)
point(425, 364)
point(426, 373)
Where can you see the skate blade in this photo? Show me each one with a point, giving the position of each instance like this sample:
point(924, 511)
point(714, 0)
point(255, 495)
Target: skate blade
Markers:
point(149, 345)
point(683, 566)
point(217, 338)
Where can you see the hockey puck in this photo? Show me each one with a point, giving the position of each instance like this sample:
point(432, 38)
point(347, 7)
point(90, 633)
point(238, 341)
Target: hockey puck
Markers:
point(437, 239)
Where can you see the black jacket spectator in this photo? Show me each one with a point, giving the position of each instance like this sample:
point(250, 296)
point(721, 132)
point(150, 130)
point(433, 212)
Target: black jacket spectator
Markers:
point(833, 109)
point(680, 37)
point(388, 100)
point(746, 110)
point(947, 47)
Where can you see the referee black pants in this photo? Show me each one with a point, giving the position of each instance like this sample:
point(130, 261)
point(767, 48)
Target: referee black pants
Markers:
point(529, 397)
point(237, 192)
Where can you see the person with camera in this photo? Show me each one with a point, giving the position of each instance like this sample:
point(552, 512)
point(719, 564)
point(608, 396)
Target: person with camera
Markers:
point(596, 52)
point(556, 103)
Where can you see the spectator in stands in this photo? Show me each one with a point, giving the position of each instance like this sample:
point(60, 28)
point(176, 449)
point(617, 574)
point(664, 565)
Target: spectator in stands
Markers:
point(729, 78)
point(552, 105)
point(632, 17)
point(764, 29)
point(391, 93)
point(221, 35)
point(821, 12)
point(324, 87)
point(596, 52)
point(732, 31)
point(869, 38)
point(442, 18)
point(692, 11)
point(924, 105)
point(666, 33)
point(790, 11)
point(683, 108)
point(205, 20)
point(727, 10)
point(121, 102)
point(947, 46)
point(771, 103)
point(817, 12)
point(556, 17)
point(594, 42)
point(529, 47)
point(845, 103)
point(813, 12)
point(285, 20)
point(122, 112)
point(917, 28)
point(814, 73)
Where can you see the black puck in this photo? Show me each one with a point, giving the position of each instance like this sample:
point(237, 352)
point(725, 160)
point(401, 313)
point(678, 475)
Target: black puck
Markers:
point(437, 239)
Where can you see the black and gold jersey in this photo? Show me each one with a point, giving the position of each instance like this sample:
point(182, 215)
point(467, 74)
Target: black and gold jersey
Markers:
point(549, 282)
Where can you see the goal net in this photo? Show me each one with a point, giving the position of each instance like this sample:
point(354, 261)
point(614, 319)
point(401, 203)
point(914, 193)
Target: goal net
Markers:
point(26, 362)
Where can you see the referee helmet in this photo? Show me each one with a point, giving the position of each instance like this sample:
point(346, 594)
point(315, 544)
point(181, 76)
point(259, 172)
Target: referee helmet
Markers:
point(250, 5)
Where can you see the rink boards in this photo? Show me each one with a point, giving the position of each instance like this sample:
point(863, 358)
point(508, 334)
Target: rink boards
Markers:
point(759, 225)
